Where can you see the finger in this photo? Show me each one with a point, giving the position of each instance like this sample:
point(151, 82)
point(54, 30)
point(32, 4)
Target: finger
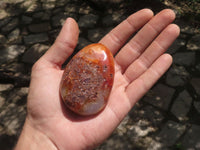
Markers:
point(140, 86)
point(64, 44)
point(155, 50)
point(116, 38)
point(133, 49)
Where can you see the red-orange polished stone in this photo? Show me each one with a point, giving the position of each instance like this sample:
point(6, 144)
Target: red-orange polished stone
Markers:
point(88, 79)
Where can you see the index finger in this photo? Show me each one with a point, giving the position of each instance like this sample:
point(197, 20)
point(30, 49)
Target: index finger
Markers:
point(117, 37)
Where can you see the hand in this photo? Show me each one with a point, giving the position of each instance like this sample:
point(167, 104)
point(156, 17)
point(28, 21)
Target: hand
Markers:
point(139, 63)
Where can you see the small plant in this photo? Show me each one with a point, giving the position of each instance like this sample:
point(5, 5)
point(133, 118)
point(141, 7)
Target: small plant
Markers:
point(178, 146)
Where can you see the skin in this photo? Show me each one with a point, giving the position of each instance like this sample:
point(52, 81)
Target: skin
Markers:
point(139, 63)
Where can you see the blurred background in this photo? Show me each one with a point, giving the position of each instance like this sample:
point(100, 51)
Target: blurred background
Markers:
point(167, 117)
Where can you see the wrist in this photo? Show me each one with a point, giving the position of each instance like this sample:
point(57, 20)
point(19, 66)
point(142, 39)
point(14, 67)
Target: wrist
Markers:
point(33, 139)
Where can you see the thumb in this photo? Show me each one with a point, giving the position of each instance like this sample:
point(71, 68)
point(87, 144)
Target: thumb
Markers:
point(64, 44)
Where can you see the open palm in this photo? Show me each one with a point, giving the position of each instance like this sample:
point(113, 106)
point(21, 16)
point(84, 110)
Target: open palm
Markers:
point(139, 63)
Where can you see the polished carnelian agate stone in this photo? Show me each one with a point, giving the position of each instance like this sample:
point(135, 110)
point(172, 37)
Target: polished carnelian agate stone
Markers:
point(87, 80)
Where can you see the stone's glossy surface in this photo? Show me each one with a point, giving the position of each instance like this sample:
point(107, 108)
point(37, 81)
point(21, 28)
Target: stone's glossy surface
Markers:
point(88, 79)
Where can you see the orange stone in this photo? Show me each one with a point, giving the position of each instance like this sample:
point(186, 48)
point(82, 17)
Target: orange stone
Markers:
point(88, 79)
